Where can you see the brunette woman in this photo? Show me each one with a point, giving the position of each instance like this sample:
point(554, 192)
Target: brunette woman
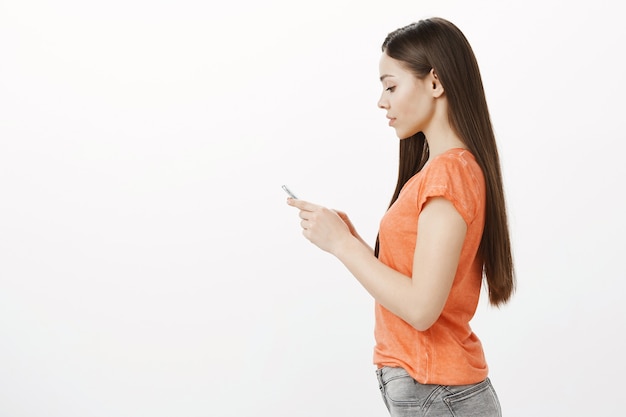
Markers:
point(445, 231)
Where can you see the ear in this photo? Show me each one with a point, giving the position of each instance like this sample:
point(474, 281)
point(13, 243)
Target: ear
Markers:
point(437, 87)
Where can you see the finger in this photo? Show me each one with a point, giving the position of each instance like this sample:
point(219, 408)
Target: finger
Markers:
point(302, 204)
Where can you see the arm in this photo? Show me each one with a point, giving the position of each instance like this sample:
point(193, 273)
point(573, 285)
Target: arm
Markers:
point(418, 300)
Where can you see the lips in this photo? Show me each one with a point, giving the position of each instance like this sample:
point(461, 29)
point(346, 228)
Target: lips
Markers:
point(391, 120)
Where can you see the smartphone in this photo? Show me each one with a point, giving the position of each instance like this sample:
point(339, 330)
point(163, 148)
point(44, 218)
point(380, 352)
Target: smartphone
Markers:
point(292, 195)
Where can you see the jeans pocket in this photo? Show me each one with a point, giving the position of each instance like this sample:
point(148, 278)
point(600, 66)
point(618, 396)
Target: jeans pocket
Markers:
point(474, 400)
point(399, 391)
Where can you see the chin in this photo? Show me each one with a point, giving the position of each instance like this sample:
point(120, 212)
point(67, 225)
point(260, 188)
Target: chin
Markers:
point(401, 134)
point(405, 135)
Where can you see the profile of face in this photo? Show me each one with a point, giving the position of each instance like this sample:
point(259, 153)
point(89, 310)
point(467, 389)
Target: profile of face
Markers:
point(410, 102)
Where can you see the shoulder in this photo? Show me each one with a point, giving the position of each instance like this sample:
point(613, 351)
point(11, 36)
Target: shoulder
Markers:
point(454, 164)
point(456, 176)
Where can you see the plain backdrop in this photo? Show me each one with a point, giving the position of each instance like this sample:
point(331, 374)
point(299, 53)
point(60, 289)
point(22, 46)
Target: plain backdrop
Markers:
point(149, 265)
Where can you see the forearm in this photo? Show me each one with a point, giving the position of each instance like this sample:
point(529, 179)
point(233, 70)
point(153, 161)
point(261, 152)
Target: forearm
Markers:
point(364, 243)
point(389, 287)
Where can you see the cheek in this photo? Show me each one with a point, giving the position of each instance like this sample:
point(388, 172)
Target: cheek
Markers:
point(409, 110)
point(414, 117)
point(408, 103)
point(418, 108)
point(398, 105)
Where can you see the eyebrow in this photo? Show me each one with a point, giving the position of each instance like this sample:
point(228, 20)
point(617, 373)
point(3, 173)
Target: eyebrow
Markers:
point(382, 77)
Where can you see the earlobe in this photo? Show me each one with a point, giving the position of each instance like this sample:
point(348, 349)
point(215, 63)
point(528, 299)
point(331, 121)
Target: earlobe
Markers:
point(437, 87)
point(438, 90)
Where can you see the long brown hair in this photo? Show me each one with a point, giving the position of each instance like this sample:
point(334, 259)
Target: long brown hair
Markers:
point(437, 44)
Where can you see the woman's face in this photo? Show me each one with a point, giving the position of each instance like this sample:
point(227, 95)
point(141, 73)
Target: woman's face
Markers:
point(409, 101)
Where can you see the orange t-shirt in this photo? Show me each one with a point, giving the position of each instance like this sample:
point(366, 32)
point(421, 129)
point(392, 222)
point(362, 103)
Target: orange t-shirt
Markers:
point(448, 353)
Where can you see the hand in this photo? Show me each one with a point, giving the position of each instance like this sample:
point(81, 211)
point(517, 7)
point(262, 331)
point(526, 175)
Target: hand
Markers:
point(325, 228)
point(348, 223)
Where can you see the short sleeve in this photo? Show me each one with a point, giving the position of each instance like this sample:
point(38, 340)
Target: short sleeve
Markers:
point(456, 178)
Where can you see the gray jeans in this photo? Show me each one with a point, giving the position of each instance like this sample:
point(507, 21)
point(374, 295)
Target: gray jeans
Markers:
point(405, 397)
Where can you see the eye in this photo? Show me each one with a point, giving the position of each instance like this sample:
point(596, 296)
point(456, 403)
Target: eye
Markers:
point(390, 89)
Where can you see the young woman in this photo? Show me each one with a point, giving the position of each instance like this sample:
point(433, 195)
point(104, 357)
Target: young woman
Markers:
point(445, 229)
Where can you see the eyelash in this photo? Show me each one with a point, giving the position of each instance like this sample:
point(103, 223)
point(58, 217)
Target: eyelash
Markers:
point(390, 89)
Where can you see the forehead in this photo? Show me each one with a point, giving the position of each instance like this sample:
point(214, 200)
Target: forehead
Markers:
point(389, 67)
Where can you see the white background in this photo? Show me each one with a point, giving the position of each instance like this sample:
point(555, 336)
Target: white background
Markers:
point(149, 265)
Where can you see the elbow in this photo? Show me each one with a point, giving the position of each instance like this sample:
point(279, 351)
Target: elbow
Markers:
point(422, 314)
point(421, 326)
point(422, 322)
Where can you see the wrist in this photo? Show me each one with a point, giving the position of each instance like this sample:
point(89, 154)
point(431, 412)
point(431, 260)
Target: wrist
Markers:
point(346, 246)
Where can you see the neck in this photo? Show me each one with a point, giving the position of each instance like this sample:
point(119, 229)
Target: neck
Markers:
point(440, 135)
point(439, 145)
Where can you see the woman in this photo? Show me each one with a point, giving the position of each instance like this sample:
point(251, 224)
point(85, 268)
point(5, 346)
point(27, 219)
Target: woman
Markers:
point(445, 229)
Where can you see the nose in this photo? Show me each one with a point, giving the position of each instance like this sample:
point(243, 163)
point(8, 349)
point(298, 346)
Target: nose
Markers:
point(382, 102)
